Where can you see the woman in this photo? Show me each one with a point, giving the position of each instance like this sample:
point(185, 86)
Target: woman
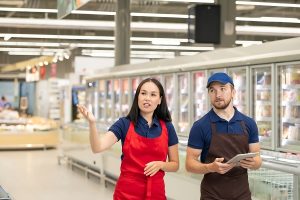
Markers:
point(148, 138)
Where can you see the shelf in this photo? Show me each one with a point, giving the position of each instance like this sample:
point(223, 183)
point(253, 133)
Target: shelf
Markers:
point(263, 87)
point(263, 102)
point(291, 120)
point(294, 86)
point(264, 119)
point(287, 103)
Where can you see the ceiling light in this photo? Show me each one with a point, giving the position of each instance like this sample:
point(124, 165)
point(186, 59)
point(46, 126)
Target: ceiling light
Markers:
point(256, 3)
point(37, 44)
point(109, 46)
point(188, 53)
point(246, 43)
point(165, 41)
point(93, 25)
point(86, 37)
point(190, 1)
point(7, 37)
point(268, 19)
point(29, 53)
point(268, 30)
point(32, 10)
point(92, 12)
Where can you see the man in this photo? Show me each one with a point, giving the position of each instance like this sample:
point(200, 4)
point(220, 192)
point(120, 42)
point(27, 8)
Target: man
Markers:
point(218, 136)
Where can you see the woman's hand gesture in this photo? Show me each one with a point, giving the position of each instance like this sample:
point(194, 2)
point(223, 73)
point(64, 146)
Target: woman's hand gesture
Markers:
point(87, 114)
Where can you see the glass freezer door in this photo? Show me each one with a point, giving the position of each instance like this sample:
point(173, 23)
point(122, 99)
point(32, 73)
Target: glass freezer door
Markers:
point(117, 99)
point(200, 95)
point(101, 97)
point(125, 97)
point(262, 105)
point(169, 90)
point(183, 104)
point(134, 83)
point(109, 102)
point(239, 77)
point(289, 120)
point(92, 98)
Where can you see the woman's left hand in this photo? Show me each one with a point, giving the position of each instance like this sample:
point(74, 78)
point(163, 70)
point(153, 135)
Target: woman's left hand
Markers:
point(153, 167)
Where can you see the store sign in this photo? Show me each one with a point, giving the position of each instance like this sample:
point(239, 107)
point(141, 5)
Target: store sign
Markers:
point(42, 72)
point(32, 74)
point(65, 7)
point(53, 69)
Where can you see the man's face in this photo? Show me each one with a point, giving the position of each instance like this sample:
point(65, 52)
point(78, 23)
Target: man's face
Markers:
point(220, 95)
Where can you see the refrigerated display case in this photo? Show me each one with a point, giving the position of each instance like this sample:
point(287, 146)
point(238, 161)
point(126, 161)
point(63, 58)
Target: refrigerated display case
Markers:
point(101, 97)
point(268, 90)
point(240, 78)
point(92, 97)
point(183, 103)
point(200, 96)
point(169, 85)
point(134, 85)
point(125, 96)
point(289, 105)
point(109, 100)
point(262, 103)
point(117, 99)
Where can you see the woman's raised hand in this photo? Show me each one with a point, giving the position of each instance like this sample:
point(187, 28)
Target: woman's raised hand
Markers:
point(87, 114)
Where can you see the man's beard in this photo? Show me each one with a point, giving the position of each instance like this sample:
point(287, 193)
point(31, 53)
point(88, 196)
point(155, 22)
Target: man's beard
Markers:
point(222, 106)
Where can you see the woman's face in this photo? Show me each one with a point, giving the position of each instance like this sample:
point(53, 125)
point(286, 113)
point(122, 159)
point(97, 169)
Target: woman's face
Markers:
point(149, 98)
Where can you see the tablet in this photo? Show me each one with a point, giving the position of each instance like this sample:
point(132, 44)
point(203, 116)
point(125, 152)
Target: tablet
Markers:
point(239, 157)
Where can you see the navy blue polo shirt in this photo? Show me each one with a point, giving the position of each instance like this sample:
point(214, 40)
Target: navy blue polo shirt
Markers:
point(120, 129)
point(200, 134)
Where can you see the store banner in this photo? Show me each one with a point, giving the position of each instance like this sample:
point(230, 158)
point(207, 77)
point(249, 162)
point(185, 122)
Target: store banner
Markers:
point(65, 7)
point(32, 74)
point(53, 70)
point(42, 72)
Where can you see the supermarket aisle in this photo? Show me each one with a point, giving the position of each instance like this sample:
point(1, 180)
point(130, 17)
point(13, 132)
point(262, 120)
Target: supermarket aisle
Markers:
point(29, 175)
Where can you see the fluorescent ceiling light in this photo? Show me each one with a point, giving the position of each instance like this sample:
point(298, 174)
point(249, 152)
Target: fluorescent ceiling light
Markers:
point(187, 48)
point(29, 53)
point(256, 3)
point(189, 1)
point(32, 49)
point(159, 15)
point(32, 10)
point(169, 53)
point(157, 41)
point(92, 12)
point(187, 53)
point(109, 46)
point(90, 25)
point(246, 43)
point(7, 37)
point(84, 37)
point(112, 55)
point(269, 19)
point(268, 30)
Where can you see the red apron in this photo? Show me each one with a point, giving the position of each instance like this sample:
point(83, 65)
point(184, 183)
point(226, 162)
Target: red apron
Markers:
point(138, 151)
point(232, 185)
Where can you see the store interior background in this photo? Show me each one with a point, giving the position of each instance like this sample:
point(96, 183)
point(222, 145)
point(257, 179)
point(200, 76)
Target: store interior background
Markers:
point(49, 63)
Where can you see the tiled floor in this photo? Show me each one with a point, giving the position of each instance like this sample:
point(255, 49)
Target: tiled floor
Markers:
point(36, 175)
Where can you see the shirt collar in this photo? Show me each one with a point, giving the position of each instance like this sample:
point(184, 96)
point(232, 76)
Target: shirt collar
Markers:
point(215, 118)
point(141, 120)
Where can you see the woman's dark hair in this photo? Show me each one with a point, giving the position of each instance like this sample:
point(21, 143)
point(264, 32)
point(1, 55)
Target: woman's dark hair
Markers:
point(161, 111)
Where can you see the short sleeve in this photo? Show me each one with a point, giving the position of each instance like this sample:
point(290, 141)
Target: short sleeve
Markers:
point(173, 139)
point(253, 131)
point(120, 128)
point(196, 140)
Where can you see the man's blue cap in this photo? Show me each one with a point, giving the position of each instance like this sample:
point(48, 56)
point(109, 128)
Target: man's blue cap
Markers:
point(220, 77)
